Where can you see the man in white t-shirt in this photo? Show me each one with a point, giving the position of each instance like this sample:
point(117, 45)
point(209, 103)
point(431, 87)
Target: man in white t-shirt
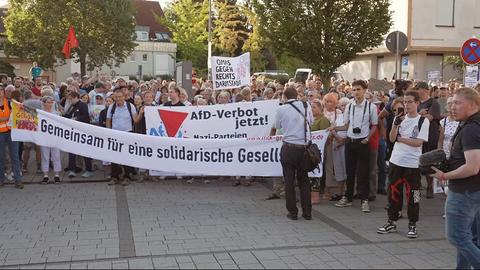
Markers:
point(408, 133)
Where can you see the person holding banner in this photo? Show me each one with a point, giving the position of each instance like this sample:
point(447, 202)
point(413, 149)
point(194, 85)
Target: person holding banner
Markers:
point(50, 152)
point(121, 116)
point(292, 123)
point(78, 111)
point(6, 140)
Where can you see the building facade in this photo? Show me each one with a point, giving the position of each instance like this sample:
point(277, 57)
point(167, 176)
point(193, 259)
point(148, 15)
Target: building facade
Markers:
point(153, 56)
point(435, 29)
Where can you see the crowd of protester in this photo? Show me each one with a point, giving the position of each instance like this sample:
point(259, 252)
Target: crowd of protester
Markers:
point(119, 104)
point(374, 144)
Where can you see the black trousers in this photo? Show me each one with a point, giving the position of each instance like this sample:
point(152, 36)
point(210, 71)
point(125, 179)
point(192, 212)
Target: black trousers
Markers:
point(117, 171)
point(398, 177)
point(291, 160)
point(72, 163)
point(358, 163)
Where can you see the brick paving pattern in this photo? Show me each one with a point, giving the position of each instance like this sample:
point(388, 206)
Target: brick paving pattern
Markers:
point(172, 225)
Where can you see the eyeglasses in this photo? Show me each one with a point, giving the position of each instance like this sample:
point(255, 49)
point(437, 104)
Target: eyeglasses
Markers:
point(409, 101)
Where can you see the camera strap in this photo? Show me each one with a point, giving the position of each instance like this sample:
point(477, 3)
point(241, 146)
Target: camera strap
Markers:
point(364, 111)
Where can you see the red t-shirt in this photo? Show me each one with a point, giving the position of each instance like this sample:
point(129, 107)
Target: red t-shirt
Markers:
point(375, 138)
point(36, 91)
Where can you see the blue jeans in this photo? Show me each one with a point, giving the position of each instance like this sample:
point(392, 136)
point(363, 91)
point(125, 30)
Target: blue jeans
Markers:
point(463, 227)
point(6, 140)
point(382, 164)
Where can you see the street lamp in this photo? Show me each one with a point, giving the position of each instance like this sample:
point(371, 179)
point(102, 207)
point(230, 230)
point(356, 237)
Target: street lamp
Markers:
point(209, 64)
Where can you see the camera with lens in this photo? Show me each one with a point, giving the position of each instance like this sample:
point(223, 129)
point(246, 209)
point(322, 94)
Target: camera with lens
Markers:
point(436, 158)
point(357, 130)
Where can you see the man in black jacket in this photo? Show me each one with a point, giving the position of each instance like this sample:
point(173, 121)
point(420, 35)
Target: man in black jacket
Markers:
point(78, 111)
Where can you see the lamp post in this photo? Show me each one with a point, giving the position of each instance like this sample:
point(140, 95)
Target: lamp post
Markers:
point(209, 63)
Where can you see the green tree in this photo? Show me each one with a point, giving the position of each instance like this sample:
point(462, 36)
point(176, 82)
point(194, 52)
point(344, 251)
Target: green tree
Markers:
point(229, 32)
point(324, 34)
point(37, 29)
point(254, 42)
point(188, 20)
point(7, 68)
point(456, 62)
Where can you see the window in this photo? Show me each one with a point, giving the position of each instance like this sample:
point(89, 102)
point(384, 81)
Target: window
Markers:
point(142, 35)
point(445, 13)
point(162, 36)
point(144, 57)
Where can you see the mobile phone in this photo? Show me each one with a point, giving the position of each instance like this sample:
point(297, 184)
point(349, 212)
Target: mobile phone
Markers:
point(400, 110)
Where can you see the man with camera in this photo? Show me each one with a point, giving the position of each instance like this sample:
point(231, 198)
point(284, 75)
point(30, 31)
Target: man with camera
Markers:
point(360, 123)
point(409, 132)
point(463, 201)
point(291, 120)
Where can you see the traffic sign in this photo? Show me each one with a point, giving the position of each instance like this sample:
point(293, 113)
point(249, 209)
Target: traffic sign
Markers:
point(470, 51)
point(394, 46)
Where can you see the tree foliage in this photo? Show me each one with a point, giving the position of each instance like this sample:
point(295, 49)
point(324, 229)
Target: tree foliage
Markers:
point(188, 20)
point(7, 68)
point(324, 34)
point(230, 28)
point(255, 41)
point(456, 62)
point(37, 29)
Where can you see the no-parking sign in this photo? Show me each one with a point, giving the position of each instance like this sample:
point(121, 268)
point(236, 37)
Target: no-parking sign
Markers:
point(470, 51)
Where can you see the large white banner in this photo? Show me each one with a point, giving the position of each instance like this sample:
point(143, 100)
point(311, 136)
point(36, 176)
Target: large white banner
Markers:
point(224, 121)
point(230, 72)
point(236, 157)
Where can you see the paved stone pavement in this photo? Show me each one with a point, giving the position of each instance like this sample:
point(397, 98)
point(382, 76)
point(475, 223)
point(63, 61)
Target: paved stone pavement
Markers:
point(171, 224)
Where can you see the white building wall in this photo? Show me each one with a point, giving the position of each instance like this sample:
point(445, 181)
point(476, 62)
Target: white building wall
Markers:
point(431, 22)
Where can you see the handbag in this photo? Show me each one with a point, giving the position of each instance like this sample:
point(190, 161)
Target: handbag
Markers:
point(312, 157)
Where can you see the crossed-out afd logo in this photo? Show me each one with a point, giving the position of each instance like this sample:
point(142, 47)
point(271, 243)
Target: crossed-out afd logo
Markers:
point(172, 121)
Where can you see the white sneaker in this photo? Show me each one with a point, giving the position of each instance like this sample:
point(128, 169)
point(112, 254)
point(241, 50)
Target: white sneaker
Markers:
point(343, 202)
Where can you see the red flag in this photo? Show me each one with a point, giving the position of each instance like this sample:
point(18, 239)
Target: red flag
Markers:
point(70, 43)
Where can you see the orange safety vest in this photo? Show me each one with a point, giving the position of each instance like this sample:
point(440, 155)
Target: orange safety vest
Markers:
point(4, 127)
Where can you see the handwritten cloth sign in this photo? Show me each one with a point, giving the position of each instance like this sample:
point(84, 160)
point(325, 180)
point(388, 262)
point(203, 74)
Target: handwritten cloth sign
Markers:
point(230, 72)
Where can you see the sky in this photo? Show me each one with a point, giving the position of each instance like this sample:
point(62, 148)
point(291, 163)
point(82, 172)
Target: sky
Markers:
point(163, 3)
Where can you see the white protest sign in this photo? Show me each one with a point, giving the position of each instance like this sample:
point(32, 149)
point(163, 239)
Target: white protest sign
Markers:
point(230, 72)
point(471, 76)
point(229, 157)
point(223, 121)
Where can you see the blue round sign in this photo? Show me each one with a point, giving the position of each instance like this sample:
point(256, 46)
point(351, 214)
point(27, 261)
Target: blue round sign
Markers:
point(470, 51)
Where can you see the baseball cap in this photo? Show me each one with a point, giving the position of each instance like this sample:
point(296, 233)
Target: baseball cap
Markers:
point(421, 85)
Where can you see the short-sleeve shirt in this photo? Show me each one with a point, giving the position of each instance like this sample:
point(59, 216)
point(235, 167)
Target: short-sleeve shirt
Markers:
point(468, 138)
point(363, 116)
point(292, 122)
point(449, 127)
point(405, 155)
point(121, 119)
point(433, 108)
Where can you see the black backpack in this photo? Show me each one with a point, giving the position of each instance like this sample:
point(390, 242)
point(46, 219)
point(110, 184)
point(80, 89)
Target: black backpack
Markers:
point(129, 107)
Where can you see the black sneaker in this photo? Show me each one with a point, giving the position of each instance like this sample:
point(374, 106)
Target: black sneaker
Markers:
point(292, 216)
point(45, 180)
point(389, 227)
point(412, 231)
point(56, 179)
